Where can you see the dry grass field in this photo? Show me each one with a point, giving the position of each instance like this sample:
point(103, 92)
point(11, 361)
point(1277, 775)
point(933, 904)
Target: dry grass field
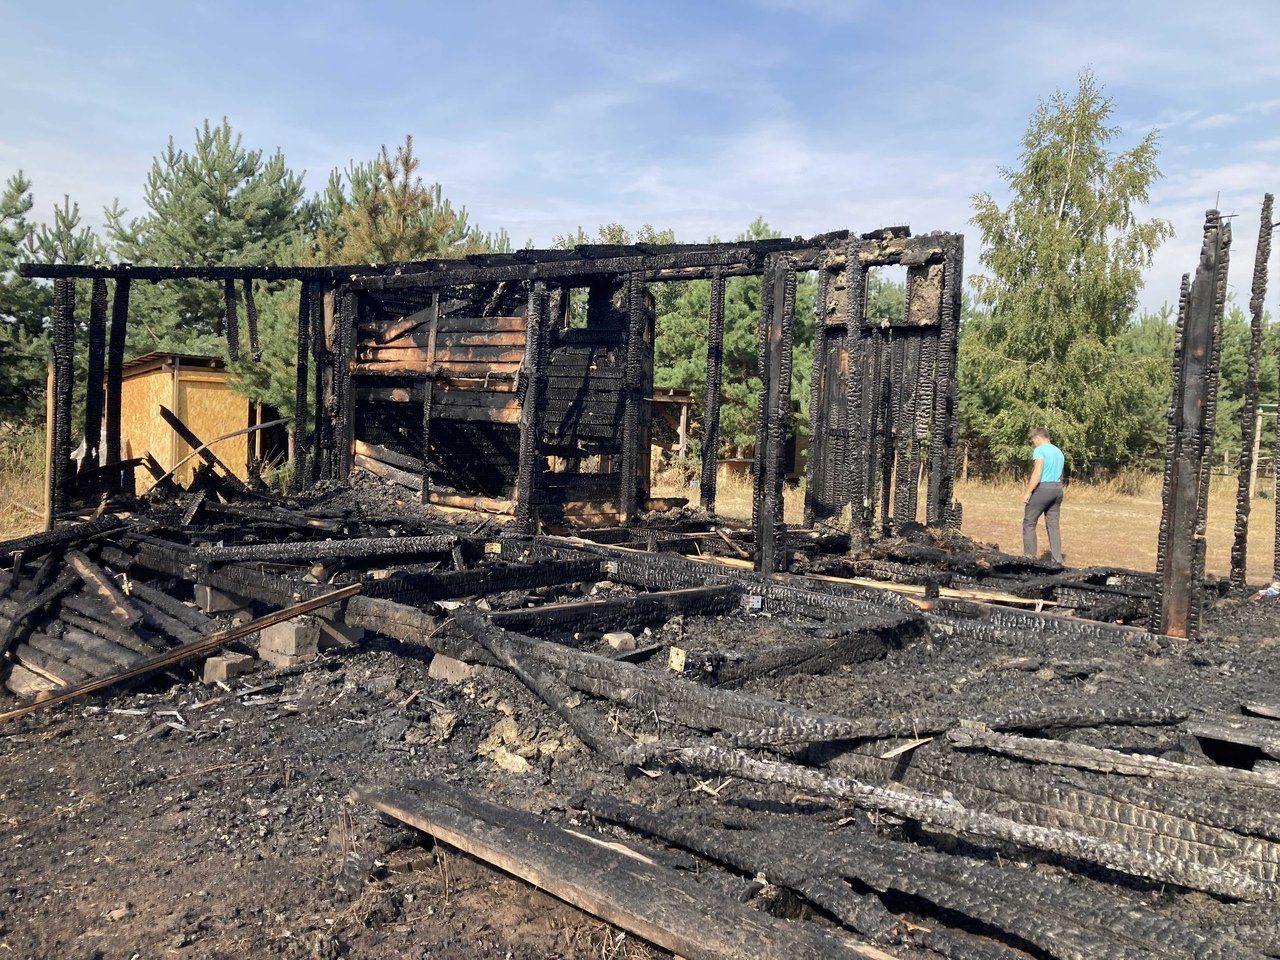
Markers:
point(1103, 524)
point(21, 482)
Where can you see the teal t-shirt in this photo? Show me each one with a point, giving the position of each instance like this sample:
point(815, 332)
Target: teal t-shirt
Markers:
point(1051, 472)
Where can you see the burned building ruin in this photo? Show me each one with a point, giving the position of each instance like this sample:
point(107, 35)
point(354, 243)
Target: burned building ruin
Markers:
point(923, 742)
point(477, 382)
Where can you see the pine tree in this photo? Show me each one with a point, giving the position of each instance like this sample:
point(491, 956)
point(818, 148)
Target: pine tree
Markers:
point(1064, 258)
point(383, 212)
point(23, 308)
point(25, 304)
point(220, 203)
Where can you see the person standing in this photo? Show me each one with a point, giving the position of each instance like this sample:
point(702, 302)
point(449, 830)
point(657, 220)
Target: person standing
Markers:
point(1044, 494)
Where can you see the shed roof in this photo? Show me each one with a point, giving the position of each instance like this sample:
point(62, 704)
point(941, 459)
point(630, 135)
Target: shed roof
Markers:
point(157, 359)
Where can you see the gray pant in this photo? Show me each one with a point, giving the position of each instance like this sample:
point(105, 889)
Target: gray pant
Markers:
point(1046, 499)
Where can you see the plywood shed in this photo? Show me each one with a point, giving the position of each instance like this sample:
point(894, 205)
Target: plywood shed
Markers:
point(199, 390)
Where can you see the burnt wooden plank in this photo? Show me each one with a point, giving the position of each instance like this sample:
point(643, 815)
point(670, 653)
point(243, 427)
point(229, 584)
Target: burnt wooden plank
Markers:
point(426, 587)
point(641, 610)
point(122, 608)
point(634, 893)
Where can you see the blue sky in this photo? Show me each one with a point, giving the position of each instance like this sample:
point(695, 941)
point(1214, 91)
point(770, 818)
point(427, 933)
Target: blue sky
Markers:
point(540, 117)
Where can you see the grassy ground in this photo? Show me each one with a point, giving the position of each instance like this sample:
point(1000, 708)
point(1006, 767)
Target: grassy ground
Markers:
point(1103, 524)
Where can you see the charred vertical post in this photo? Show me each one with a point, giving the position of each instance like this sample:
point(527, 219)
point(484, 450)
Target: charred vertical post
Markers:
point(64, 325)
point(345, 323)
point(908, 450)
point(715, 373)
point(941, 509)
point(762, 396)
point(633, 398)
point(251, 321)
point(1172, 427)
point(1192, 414)
point(533, 377)
point(815, 473)
point(319, 352)
point(115, 373)
point(93, 395)
point(428, 392)
point(297, 480)
point(890, 375)
point(853, 479)
point(776, 414)
point(1249, 409)
point(230, 319)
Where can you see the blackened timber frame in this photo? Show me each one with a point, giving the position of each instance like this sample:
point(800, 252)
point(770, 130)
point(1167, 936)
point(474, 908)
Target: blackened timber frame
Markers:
point(532, 394)
point(715, 374)
point(94, 398)
point(115, 374)
point(632, 398)
point(778, 327)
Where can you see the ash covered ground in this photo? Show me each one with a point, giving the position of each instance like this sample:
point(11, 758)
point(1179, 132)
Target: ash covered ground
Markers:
point(185, 820)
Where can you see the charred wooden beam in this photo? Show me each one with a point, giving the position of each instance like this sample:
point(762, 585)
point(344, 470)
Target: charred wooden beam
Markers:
point(853, 486)
point(616, 613)
point(122, 608)
point(651, 901)
point(1249, 407)
point(1182, 543)
point(345, 321)
point(23, 621)
point(715, 372)
point(63, 346)
point(319, 355)
point(185, 652)
point(763, 325)
point(944, 813)
point(231, 320)
point(633, 399)
point(775, 413)
point(818, 438)
point(942, 509)
point(94, 374)
point(251, 320)
point(428, 391)
point(425, 587)
point(37, 544)
point(532, 391)
point(300, 469)
point(356, 548)
point(115, 373)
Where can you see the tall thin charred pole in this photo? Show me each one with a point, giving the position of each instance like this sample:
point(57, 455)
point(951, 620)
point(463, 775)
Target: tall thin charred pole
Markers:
point(1249, 409)
point(1192, 413)
point(715, 373)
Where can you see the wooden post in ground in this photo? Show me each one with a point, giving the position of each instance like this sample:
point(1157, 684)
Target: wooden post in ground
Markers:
point(1250, 418)
point(1189, 448)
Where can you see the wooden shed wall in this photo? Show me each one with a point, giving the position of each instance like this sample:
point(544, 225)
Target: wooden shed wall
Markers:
point(140, 425)
point(204, 400)
point(210, 407)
